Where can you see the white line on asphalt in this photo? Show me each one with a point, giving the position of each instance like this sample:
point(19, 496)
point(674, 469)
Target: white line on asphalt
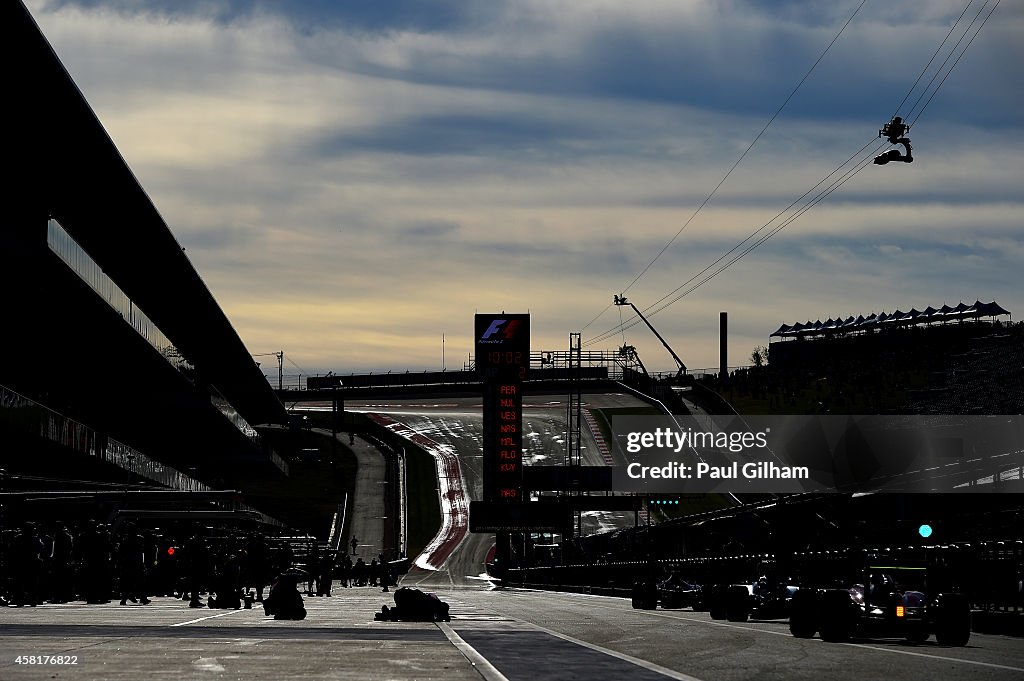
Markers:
point(479, 662)
point(856, 645)
point(938, 657)
point(657, 668)
point(700, 621)
point(210, 617)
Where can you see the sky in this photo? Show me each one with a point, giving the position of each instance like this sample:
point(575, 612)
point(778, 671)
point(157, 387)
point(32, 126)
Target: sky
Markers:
point(354, 181)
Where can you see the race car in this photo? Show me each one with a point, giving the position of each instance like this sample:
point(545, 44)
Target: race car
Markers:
point(671, 592)
point(759, 600)
point(675, 592)
point(881, 607)
point(645, 594)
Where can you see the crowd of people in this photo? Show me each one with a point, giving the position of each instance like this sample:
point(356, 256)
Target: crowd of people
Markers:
point(96, 563)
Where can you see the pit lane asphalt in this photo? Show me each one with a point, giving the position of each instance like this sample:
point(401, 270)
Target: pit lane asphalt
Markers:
point(520, 634)
point(691, 643)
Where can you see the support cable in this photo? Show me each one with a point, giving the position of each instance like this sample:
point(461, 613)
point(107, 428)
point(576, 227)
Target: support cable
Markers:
point(737, 162)
point(957, 60)
point(747, 150)
point(669, 300)
point(650, 309)
point(926, 66)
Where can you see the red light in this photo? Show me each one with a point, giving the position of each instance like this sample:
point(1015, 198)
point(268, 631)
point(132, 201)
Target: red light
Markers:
point(170, 551)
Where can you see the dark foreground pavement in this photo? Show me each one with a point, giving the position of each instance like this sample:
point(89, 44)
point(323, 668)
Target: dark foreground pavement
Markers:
point(168, 640)
point(493, 635)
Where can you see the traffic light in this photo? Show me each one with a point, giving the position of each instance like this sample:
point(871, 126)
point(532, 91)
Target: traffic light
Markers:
point(663, 502)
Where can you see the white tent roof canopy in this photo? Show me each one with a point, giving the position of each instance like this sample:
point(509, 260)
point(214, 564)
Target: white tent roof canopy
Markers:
point(914, 317)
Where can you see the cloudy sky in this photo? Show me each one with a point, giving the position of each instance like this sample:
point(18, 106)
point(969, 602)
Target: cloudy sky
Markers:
point(355, 179)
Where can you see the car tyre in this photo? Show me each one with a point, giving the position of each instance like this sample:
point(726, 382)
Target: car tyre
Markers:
point(803, 615)
point(837, 616)
point(737, 606)
point(953, 621)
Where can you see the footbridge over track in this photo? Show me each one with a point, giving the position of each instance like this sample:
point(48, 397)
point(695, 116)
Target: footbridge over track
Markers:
point(412, 384)
point(550, 371)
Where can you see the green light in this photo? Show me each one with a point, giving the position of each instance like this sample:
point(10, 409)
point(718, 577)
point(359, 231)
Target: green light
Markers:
point(925, 530)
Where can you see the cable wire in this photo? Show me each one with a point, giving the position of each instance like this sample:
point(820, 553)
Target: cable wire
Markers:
point(946, 61)
point(599, 315)
point(736, 163)
point(682, 290)
point(666, 302)
point(962, 53)
point(747, 150)
point(752, 235)
point(937, 50)
point(818, 199)
point(767, 224)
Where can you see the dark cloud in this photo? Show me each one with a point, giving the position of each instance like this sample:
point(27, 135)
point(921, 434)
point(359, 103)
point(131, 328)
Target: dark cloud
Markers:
point(431, 229)
point(741, 57)
point(808, 13)
point(298, 175)
point(310, 15)
point(962, 195)
point(459, 134)
point(222, 238)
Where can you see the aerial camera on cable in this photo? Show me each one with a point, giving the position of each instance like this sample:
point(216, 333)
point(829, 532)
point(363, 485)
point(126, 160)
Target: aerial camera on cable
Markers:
point(895, 131)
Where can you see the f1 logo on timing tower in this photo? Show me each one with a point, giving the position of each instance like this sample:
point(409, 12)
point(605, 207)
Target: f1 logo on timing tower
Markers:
point(507, 329)
point(502, 345)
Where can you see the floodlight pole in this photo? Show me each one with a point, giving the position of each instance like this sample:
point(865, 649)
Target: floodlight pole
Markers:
point(280, 366)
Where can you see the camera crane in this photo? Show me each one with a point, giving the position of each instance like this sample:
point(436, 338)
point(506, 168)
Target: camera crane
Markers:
point(621, 300)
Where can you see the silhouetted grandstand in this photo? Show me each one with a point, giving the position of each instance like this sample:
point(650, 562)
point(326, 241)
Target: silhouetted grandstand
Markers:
point(883, 322)
point(951, 360)
point(985, 378)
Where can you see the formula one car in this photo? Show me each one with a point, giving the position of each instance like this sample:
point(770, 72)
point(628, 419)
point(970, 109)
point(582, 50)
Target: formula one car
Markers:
point(671, 592)
point(676, 592)
point(645, 594)
point(881, 607)
point(761, 600)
